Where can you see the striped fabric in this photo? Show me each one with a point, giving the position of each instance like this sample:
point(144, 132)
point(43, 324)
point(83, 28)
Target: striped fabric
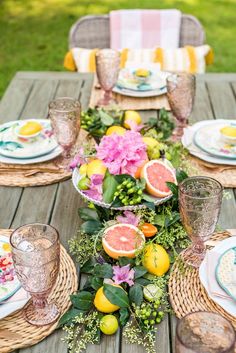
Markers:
point(140, 29)
point(187, 59)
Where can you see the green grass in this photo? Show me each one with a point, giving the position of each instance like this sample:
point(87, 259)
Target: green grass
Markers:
point(34, 33)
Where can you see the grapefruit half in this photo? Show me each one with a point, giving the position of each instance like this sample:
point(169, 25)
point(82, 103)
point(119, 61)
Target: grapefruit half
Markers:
point(122, 240)
point(156, 173)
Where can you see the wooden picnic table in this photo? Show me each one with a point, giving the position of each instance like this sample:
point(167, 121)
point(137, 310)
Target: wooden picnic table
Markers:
point(28, 96)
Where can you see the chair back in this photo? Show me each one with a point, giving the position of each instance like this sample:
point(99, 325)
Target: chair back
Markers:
point(94, 32)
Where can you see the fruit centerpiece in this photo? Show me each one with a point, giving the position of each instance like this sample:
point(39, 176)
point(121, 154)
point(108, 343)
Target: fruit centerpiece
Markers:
point(128, 168)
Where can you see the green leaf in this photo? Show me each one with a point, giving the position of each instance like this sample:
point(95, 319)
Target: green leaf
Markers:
point(175, 217)
point(88, 267)
point(160, 220)
point(124, 316)
point(106, 118)
point(109, 187)
point(139, 271)
point(96, 283)
point(121, 177)
point(123, 261)
point(68, 316)
point(91, 227)
point(136, 294)
point(181, 175)
point(173, 188)
point(148, 198)
point(116, 295)
point(83, 300)
point(88, 214)
point(150, 205)
point(103, 271)
point(142, 281)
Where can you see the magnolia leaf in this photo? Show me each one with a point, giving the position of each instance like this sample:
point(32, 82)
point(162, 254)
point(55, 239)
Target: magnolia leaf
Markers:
point(148, 198)
point(91, 227)
point(124, 316)
point(106, 118)
point(142, 281)
point(116, 295)
point(83, 300)
point(66, 319)
point(109, 188)
point(121, 177)
point(96, 283)
point(160, 220)
point(140, 271)
point(123, 261)
point(181, 175)
point(87, 214)
point(150, 205)
point(103, 271)
point(88, 266)
point(136, 294)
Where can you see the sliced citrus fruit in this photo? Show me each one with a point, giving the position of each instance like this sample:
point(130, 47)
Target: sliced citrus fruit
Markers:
point(137, 174)
point(119, 130)
point(148, 229)
point(152, 292)
point(155, 259)
point(156, 173)
point(30, 128)
point(122, 240)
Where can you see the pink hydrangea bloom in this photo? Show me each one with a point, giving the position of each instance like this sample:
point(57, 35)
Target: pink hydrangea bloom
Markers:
point(129, 218)
point(122, 154)
point(95, 188)
point(123, 274)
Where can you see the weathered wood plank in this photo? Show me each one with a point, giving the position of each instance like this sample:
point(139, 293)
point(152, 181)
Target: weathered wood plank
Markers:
point(85, 93)
point(234, 88)
point(9, 202)
point(216, 77)
point(202, 106)
point(223, 100)
point(52, 75)
point(53, 344)
point(67, 88)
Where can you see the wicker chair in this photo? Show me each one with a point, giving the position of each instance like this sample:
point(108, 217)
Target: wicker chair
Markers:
point(94, 32)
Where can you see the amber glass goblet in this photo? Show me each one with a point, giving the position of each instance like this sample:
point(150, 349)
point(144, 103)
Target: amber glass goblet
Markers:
point(107, 68)
point(204, 332)
point(64, 114)
point(180, 94)
point(36, 257)
point(199, 204)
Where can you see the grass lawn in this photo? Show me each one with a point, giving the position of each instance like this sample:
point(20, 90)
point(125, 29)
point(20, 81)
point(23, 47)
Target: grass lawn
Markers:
point(34, 32)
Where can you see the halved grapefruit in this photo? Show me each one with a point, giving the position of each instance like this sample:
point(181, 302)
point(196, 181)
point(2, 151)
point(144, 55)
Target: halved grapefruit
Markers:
point(156, 173)
point(122, 240)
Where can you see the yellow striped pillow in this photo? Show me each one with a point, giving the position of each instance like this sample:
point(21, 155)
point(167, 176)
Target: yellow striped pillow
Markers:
point(188, 59)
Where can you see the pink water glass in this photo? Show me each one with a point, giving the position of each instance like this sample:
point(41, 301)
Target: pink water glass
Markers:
point(204, 332)
point(199, 205)
point(36, 257)
point(64, 113)
point(107, 68)
point(180, 94)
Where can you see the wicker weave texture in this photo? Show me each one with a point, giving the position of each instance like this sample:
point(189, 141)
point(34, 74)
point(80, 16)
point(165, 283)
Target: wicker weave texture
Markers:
point(15, 332)
point(94, 32)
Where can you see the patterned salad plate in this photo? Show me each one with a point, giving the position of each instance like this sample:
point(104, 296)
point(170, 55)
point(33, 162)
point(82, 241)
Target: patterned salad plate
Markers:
point(226, 272)
point(13, 146)
point(9, 283)
point(209, 139)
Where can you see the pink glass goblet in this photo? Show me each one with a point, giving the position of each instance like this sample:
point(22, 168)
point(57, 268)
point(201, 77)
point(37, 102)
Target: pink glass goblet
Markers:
point(107, 68)
point(204, 332)
point(36, 257)
point(199, 205)
point(180, 94)
point(64, 114)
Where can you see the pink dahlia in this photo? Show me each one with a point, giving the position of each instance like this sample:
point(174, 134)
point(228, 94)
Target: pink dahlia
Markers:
point(122, 154)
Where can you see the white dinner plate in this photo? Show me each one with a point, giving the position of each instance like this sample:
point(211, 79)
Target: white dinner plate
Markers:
point(139, 94)
point(188, 143)
point(14, 147)
point(16, 302)
point(208, 138)
point(220, 248)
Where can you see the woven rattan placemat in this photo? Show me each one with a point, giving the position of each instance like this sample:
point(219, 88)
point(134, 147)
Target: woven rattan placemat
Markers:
point(225, 174)
point(39, 173)
point(186, 292)
point(15, 332)
point(130, 103)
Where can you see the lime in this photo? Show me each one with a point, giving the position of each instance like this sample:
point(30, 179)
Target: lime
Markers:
point(152, 292)
point(83, 184)
point(109, 324)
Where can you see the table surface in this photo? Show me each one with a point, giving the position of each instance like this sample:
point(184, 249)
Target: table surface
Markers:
point(27, 96)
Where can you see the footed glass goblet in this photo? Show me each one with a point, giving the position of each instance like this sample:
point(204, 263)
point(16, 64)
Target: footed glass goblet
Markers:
point(199, 204)
point(36, 257)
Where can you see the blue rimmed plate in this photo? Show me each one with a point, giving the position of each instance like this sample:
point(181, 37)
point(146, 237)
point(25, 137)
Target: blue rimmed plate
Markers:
point(226, 272)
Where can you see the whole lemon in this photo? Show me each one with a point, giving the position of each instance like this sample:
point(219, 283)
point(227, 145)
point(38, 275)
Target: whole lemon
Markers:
point(132, 115)
point(109, 324)
point(96, 167)
point(119, 130)
point(102, 304)
point(150, 142)
point(83, 169)
point(156, 260)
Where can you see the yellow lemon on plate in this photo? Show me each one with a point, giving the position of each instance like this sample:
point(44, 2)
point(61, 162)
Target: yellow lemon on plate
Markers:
point(30, 128)
point(142, 72)
point(102, 304)
point(6, 247)
point(131, 115)
point(119, 130)
point(228, 131)
point(109, 324)
point(96, 167)
point(156, 260)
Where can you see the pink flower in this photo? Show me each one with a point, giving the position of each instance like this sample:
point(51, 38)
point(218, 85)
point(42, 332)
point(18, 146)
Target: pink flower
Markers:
point(134, 126)
point(78, 159)
point(123, 274)
point(129, 218)
point(122, 154)
point(95, 188)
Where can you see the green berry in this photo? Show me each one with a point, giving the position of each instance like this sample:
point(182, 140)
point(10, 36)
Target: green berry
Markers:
point(140, 192)
point(154, 313)
point(119, 187)
point(116, 194)
point(152, 322)
point(158, 320)
point(146, 322)
point(129, 185)
point(161, 313)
